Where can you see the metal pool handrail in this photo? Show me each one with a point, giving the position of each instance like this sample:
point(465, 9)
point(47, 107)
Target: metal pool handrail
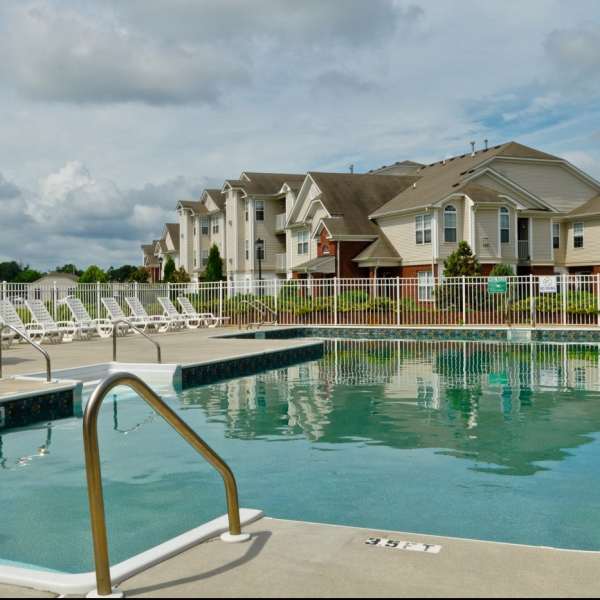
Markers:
point(4, 326)
point(140, 331)
point(94, 473)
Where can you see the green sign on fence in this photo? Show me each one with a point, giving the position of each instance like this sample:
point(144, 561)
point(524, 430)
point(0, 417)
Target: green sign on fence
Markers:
point(497, 285)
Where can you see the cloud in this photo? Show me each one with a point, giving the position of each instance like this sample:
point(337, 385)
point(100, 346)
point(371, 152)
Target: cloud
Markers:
point(73, 217)
point(52, 54)
point(178, 52)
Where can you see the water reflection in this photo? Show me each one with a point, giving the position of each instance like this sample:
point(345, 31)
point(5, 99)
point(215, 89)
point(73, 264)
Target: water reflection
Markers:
point(507, 407)
point(8, 464)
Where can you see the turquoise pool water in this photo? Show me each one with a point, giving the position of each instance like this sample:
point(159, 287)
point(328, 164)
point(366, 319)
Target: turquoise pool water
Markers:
point(479, 440)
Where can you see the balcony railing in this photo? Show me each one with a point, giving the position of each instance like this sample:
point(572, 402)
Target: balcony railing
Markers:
point(524, 250)
point(280, 263)
point(280, 221)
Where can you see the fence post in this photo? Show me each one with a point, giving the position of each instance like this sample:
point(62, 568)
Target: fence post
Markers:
point(221, 299)
point(55, 301)
point(97, 299)
point(464, 300)
point(398, 301)
point(335, 300)
point(598, 296)
point(531, 301)
point(564, 298)
point(276, 300)
point(4, 284)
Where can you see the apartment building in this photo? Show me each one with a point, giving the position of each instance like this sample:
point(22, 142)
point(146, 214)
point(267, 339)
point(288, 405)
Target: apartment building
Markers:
point(513, 204)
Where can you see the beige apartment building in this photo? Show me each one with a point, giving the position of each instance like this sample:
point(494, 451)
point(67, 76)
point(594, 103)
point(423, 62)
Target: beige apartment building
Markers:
point(513, 204)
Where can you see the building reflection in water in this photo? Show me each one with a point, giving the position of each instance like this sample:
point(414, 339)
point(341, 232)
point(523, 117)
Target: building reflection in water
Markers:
point(503, 405)
point(22, 461)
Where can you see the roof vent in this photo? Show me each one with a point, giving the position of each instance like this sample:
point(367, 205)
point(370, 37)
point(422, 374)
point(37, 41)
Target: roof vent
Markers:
point(485, 144)
point(472, 148)
point(415, 185)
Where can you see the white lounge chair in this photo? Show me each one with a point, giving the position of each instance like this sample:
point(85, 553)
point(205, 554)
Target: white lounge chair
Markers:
point(116, 313)
point(10, 316)
point(175, 317)
point(86, 326)
point(209, 319)
point(62, 331)
point(138, 311)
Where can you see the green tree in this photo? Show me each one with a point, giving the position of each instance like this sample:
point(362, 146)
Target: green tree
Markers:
point(69, 268)
point(214, 265)
point(140, 275)
point(462, 262)
point(28, 275)
point(93, 274)
point(121, 274)
point(169, 270)
point(9, 270)
point(502, 270)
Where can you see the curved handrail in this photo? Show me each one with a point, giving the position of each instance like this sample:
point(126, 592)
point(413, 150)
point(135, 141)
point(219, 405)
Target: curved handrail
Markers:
point(140, 331)
point(94, 473)
point(4, 326)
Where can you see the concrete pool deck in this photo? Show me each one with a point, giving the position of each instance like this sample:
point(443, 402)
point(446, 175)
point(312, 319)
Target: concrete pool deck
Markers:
point(294, 559)
point(186, 347)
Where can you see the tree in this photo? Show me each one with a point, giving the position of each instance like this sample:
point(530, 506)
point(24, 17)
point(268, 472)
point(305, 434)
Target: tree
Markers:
point(169, 270)
point(214, 265)
point(462, 262)
point(502, 270)
point(93, 274)
point(9, 270)
point(140, 275)
point(121, 274)
point(28, 275)
point(69, 268)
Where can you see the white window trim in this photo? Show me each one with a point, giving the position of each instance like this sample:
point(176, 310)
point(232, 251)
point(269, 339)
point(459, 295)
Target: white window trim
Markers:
point(503, 211)
point(576, 236)
point(421, 218)
point(450, 209)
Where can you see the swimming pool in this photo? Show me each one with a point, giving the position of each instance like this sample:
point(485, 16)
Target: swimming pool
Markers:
point(481, 440)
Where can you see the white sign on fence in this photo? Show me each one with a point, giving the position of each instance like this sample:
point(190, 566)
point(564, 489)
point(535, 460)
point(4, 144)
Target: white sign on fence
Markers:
point(548, 284)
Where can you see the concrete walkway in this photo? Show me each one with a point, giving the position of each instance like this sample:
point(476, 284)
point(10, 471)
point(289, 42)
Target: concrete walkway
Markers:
point(293, 559)
point(185, 347)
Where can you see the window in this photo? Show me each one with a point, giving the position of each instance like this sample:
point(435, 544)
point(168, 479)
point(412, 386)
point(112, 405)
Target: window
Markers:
point(556, 235)
point(204, 257)
point(423, 229)
point(450, 224)
point(247, 250)
point(205, 225)
point(260, 210)
point(504, 226)
point(215, 224)
point(302, 238)
point(577, 235)
point(425, 286)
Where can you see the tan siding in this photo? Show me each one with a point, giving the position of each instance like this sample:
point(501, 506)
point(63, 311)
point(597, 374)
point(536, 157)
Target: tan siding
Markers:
point(400, 230)
point(486, 227)
point(508, 251)
point(274, 244)
point(552, 182)
point(590, 253)
point(492, 183)
point(560, 253)
point(541, 249)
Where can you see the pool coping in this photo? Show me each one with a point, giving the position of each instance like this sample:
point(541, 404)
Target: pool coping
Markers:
point(83, 583)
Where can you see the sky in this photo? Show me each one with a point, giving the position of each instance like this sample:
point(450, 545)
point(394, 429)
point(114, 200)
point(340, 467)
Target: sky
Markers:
point(112, 111)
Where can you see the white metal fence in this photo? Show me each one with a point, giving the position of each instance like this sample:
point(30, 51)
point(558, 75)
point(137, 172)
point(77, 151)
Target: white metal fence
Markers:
point(529, 300)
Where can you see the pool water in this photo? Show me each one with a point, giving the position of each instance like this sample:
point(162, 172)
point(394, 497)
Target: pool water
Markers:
point(491, 441)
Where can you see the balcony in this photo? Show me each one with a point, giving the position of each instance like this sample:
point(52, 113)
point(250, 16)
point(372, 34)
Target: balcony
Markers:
point(280, 221)
point(524, 250)
point(280, 263)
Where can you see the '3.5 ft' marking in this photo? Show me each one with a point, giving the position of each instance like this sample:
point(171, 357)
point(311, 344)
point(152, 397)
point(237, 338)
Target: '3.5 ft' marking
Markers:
point(400, 545)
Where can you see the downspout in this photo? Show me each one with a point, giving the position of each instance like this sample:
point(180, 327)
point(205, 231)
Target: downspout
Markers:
point(337, 259)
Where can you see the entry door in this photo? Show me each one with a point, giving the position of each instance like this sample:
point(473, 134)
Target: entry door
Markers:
point(523, 237)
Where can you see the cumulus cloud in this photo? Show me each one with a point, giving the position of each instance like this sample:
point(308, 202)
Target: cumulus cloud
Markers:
point(74, 217)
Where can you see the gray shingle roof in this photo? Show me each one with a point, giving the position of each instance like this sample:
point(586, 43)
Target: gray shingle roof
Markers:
point(591, 207)
point(442, 178)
